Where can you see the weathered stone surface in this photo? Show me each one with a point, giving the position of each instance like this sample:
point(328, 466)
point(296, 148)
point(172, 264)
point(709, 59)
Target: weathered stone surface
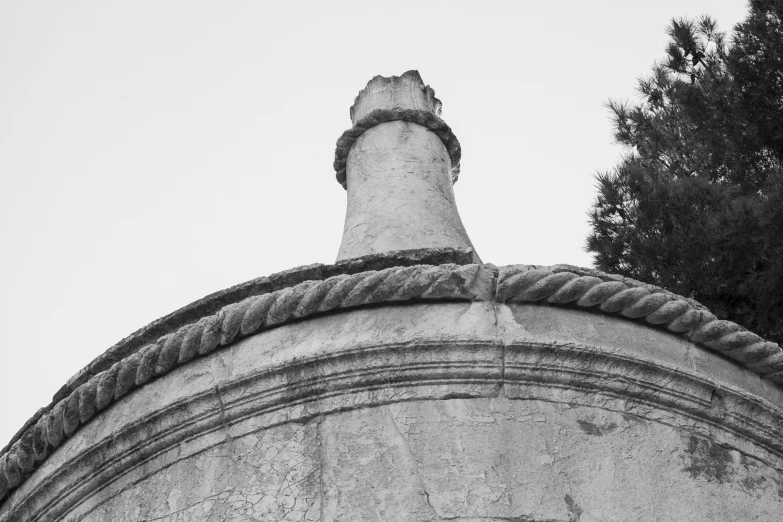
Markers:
point(369, 470)
point(400, 193)
point(399, 176)
point(557, 285)
point(416, 386)
point(272, 475)
point(419, 256)
point(534, 460)
point(260, 286)
point(588, 289)
point(359, 360)
point(454, 459)
point(406, 91)
point(426, 119)
point(463, 411)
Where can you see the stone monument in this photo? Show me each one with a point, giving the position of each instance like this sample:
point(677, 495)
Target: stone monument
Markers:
point(409, 381)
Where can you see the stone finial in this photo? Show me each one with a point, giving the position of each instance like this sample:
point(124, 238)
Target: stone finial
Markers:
point(406, 91)
point(398, 163)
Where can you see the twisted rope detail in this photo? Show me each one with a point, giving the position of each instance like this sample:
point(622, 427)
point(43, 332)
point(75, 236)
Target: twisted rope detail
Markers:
point(553, 286)
point(378, 116)
point(656, 307)
point(222, 329)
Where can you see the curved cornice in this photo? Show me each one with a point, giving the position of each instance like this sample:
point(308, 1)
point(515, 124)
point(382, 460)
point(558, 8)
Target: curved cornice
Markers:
point(565, 285)
point(359, 285)
point(216, 301)
point(231, 323)
point(387, 371)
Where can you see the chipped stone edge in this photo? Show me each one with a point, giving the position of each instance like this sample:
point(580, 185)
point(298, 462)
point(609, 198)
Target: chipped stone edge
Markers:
point(378, 278)
point(429, 92)
point(424, 118)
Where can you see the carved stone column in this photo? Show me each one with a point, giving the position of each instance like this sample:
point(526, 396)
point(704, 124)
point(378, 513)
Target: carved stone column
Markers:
point(399, 174)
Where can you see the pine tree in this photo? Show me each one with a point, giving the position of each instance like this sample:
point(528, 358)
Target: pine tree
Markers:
point(696, 205)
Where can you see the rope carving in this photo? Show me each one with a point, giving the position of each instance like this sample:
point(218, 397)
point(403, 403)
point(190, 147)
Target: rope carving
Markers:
point(520, 283)
point(656, 307)
point(378, 116)
point(222, 329)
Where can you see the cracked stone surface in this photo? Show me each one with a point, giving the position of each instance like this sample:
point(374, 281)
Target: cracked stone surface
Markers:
point(535, 460)
point(457, 410)
point(498, 459)
point(459, 459)
point(369, 470)
point(270, 475)
point(429, 412)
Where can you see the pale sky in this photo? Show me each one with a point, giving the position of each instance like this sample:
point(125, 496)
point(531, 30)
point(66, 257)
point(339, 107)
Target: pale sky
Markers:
point(153, 152)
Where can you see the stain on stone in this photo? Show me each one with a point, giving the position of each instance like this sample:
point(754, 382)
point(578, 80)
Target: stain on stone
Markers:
point(708, 460)
point(594, 429)
point(717, 402)
point(752, 483)
point(519, 316)
point(189, 378)
point(779, 483)
point(574, 511)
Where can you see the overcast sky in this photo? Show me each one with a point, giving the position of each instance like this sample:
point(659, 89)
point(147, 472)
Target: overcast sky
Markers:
point(153, 152)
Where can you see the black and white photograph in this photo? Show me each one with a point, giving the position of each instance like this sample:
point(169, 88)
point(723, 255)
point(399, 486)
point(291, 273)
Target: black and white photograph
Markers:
point(413, 261)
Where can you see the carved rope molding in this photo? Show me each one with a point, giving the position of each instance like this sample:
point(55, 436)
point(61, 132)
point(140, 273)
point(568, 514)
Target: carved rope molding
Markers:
point(230, 324)
point(655, 306)
point(570, 286)
point(378, 116)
